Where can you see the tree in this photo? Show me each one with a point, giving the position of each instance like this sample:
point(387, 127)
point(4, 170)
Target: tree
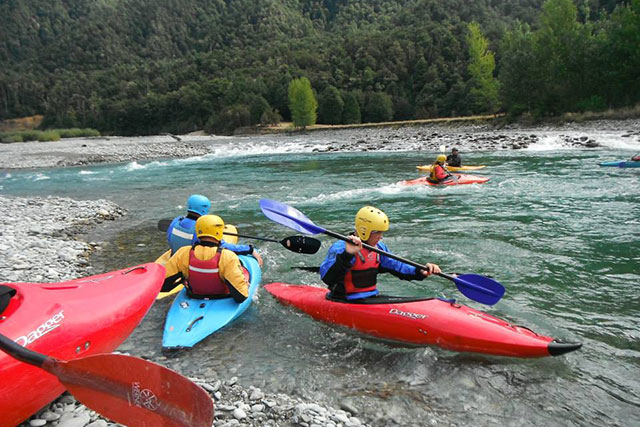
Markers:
point(330, 106)
point(378, 107)
point(257, 108)
point(351, 111)
point(484, 87)
point(519, 72)
point(302, 103)
point(562, 47)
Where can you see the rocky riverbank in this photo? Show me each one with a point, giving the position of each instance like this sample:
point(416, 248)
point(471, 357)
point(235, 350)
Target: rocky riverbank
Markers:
point(41, 242)
point(427, 137)
point(476, 137)
point(85, 151)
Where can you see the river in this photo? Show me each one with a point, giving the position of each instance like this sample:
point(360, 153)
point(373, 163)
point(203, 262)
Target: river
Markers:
point(561, 233)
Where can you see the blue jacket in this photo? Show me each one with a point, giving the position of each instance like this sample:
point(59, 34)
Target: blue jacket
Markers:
point(182, 232)
point(338, 262)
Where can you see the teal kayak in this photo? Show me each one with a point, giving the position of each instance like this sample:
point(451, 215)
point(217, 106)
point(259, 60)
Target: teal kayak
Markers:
point(191, 320)
point(622, 164)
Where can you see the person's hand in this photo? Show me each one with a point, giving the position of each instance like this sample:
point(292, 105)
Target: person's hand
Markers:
point(431, 269)
point(257, 256)
point(354, 246)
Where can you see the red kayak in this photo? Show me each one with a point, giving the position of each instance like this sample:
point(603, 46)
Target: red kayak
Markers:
point(420, 321)
point(456, 179)
point(67, 320)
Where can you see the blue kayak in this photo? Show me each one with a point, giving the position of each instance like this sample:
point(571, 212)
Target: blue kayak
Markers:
point(191, 320)
point(622, 164)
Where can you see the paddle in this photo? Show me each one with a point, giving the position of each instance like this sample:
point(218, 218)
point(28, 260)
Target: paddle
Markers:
point(125, 389)
point(299, 244)
point(474, 286)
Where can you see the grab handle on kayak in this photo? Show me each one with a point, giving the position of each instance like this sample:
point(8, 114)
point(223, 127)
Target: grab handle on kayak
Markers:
point(140, 267)
point(193, 322)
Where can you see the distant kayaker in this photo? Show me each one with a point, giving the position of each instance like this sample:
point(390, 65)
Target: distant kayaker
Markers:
point(181, 231)
point(439, 171)
point(636, 158)
point(454, 159)
point(351, 271)
point(208, 269)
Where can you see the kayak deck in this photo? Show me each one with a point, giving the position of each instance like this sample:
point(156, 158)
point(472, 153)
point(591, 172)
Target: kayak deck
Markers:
point(622, 164)
point(458, 179)
point(191, 320)
point(68, 320)
point(424, 322)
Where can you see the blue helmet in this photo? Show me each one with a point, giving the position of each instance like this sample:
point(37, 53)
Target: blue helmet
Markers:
point(198, 204)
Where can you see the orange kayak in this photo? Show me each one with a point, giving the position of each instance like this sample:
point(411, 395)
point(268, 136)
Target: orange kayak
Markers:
point(456, 179)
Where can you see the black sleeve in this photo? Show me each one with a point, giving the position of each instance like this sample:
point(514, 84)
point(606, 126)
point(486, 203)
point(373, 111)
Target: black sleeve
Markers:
point(237, 296)
point(171, 282)
point(335, 274)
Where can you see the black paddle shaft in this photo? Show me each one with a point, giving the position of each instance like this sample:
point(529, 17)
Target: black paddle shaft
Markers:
point(266, 239)
point(19, 352)
point(387, 254)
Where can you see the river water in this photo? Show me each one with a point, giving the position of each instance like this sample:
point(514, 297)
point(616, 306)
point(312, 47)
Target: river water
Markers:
point(561, 233)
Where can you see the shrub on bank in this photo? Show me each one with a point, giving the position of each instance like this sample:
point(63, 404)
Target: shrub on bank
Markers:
point(77, 132)
point(7, 137)
point(46, 135)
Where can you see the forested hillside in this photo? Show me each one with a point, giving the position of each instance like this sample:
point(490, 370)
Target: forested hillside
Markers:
point(149, 66)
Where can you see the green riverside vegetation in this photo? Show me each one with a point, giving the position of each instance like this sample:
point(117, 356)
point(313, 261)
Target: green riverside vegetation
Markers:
point(46, 135)
point(154, 66)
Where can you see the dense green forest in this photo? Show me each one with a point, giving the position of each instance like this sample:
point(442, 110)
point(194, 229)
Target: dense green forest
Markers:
point(151, 66)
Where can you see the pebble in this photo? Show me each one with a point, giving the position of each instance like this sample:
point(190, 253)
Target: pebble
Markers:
point(239, 414)
point(50, 416)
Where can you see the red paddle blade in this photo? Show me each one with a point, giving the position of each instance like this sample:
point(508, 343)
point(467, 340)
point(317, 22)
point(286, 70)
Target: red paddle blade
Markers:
point(134, 392)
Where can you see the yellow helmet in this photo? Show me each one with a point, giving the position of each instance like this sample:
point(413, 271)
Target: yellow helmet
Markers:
point(370, 219)
point(210, 226)
point(229, 238)
point(441, 158)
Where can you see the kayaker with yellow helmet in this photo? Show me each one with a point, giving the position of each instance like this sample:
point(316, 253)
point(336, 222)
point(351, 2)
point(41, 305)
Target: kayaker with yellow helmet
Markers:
point(439, 171)
point(208, 269)
point(181, 231)
point(350, 270)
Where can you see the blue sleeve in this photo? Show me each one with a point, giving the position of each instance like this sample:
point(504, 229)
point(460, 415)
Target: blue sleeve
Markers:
point(238, 249)
point(397, 268)
point(173, 224)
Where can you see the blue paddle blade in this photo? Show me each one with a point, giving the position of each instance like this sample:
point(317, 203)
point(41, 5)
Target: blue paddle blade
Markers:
point(289, 217)
point(479, 288)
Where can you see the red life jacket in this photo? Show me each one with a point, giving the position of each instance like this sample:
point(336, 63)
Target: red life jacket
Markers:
point(204, 278)
point(363, 273)
point(438, 173)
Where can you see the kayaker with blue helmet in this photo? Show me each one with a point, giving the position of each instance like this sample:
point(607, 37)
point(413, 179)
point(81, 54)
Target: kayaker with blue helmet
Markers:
point(439, 172)
point(208, 269)
point(454, 158)
point(181, 231)
point(351, 271)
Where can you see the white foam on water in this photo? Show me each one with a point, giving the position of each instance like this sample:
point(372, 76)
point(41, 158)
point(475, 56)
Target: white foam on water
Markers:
point(40, 177)
point(547, 143)
point(85, 172)
point(134, 166)
point(357, 193)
